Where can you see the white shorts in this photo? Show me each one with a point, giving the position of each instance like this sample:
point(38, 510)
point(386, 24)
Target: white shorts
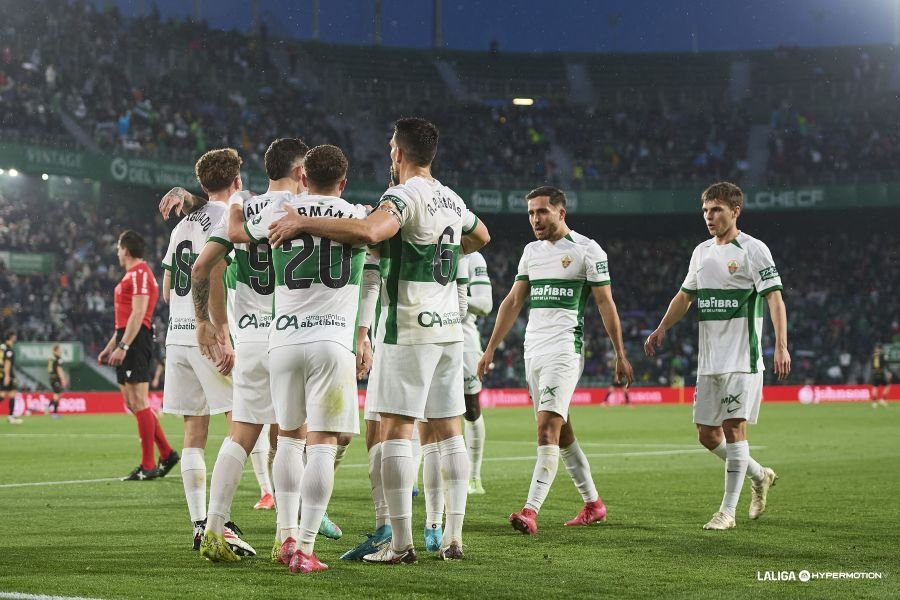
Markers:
point(552, 379)
point(194, 387)
point(252, 395)
point(727, 396)
point(419, 381)
point(314, 384)
point(471, 383)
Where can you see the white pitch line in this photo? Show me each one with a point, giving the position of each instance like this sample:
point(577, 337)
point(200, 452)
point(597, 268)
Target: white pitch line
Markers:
point(68, 435)
point(366, 465)
point(18, 596)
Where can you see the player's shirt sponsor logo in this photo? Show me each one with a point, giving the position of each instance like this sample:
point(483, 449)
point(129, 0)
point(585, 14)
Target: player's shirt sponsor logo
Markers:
point(284, 322)
point(768, 273)
point(434, 319)
point(551, 292)
point(254, 322)
point(481, 272)
point(603, 267)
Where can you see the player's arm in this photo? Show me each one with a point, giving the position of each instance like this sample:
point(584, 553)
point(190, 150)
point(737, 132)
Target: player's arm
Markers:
point(678, 307)
point(477, 238)
point(382, 224)
point(179, 200)
point(481, 296)
point(235, 231)
point(610, 316)
point(371, 287)
point(506, 318)
point(210, 306)
point(166, 285)
point(779, 322)
point(139, 304)
point(7, 370)
point(61, 375)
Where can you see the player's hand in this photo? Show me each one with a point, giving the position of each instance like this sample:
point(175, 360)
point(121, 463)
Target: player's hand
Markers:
point(206, 340)
point(286, 228)
point(117, 356)
point(364, 357)
point(654, 341)
point(225, 363)
point(6, 381)
point(173, 200)
point(485, 364)
point(782, 363)
point(103, 357)
point(624, 371)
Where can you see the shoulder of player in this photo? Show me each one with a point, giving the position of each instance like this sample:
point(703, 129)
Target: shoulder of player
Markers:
point(584, 242)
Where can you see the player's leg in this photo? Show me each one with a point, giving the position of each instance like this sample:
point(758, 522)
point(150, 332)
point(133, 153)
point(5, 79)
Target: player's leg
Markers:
point(885, 390)
point(473, 423)
point(287, 364)
point(573, 457)
point(259, 457)
point(399, 407)
point(382, 533)
point(433, 486)
point(416, 445)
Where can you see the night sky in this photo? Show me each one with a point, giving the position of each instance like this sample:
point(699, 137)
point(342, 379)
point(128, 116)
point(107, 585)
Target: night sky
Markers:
point(566, 25)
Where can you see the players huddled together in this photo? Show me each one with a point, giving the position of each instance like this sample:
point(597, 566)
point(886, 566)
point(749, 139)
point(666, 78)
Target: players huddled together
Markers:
point(280, 301)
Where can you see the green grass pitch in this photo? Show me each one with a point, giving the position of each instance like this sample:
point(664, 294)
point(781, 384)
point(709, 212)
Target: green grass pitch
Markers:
point(834, 509)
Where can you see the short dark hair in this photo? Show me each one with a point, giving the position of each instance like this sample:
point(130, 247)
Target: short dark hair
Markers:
point(725, 192)
point(556, 195)
point(418, 139)
point(9, 333)
point(325, 165)
point(282, 155)
point(133, 242)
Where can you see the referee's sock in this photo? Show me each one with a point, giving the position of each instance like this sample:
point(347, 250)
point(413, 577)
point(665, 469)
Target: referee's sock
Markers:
point(146, 421)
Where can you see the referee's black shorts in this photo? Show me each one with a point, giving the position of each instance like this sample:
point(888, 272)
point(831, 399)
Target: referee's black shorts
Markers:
point(136, 366)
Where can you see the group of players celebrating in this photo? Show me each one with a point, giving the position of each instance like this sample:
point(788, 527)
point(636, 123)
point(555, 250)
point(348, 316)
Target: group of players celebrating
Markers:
point(296, 293)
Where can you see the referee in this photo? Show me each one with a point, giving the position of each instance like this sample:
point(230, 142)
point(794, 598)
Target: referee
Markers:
point(129, 350)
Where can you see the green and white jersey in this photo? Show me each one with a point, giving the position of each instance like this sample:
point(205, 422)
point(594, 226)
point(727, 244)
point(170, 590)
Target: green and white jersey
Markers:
point(317, 281)
point(561, 275)
point(250, 278)
point(419, 298)
point(477, 276)
point(729, 282)
point(185, 244)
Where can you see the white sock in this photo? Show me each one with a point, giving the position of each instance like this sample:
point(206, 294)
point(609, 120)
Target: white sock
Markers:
point(543, 476)
point(398, 475)
point(318, 481)
point(287, 473)
point(259, 456)
point(381, 507)
point(455, 468)
point(475, 443)
point(737, 457)
point(433, 486)
point(580, 471)
point(224, 482)
point(416, 446)
point(193, 477)
point(754, 469)
point(339, 457)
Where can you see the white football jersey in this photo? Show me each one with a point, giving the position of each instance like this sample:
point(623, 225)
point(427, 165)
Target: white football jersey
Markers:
point(316, 280)
point(250, 279)
point(561, 275)
point(477, 276)
point(185, 244)
point(419, 298)
point(729, 282)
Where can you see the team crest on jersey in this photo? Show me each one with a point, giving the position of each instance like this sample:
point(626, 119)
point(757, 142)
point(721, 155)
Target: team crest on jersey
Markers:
point(566, 261)
point(732, 266)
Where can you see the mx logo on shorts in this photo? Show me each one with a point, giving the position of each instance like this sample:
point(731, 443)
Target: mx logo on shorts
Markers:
point(548, 393)
point(732, 403)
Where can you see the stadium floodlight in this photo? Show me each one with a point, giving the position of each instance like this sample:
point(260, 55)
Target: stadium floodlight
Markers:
point(13, 173)
point(523, 101)
point(45, 177)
